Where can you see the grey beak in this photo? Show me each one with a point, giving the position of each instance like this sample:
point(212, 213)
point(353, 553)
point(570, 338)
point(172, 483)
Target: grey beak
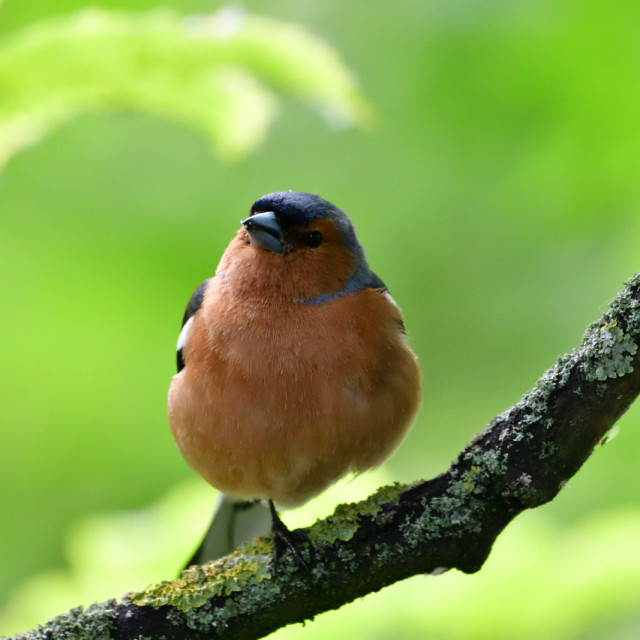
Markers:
point(264, 231)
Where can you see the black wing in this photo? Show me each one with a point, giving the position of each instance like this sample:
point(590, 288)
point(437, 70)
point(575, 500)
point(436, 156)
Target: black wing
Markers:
point(195, 302)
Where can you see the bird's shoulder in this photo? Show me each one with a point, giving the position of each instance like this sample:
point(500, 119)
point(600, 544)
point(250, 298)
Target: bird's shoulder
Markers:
point(193, 306)
point(195, 301)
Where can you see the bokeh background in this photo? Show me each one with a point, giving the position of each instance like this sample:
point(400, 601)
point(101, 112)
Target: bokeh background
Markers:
point(493, 179)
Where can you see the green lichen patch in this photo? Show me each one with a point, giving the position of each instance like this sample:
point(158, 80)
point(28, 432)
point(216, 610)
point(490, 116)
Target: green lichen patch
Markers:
point(344, 521)
point(486, 463)
point(607, 349)
point(626, 305)
point(457, 512)
point(95, 622)
point(609, 352)
point(198, 584)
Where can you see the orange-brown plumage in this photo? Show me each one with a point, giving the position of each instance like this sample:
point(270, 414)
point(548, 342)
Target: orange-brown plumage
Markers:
point(291, 378)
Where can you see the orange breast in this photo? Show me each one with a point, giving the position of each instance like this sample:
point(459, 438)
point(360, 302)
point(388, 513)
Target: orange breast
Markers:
point(278, 400)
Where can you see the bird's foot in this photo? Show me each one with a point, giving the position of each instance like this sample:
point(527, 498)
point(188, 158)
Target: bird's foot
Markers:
point(283, 538)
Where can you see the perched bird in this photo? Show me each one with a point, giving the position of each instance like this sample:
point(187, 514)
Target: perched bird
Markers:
point(293, 368)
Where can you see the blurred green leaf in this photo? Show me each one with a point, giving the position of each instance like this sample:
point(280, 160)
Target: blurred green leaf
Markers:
point(219, 73)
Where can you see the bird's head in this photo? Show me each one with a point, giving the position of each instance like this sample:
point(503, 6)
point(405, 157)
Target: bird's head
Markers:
point(303, 243)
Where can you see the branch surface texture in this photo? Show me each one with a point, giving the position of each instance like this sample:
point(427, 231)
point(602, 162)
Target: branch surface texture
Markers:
point(520, 461)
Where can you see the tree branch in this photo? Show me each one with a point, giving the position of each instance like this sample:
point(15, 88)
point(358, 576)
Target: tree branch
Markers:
point(520, 461)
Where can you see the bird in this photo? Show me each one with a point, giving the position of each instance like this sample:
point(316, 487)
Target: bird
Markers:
point(294, 369)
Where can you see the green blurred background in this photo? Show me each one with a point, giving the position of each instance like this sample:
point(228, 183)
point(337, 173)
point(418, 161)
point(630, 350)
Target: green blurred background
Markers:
point(496, 192)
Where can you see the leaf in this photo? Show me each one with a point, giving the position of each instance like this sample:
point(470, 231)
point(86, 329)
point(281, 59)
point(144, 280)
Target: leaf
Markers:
point(220, 74)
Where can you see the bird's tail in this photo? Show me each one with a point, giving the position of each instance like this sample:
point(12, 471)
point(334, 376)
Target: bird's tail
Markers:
point(234, 522)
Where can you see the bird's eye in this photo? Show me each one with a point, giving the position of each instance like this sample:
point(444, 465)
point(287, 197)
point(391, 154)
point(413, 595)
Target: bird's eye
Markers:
point(312, 239)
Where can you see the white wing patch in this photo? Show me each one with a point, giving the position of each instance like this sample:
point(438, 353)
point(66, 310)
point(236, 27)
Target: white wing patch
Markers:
point(387, 295)
point(184, 334)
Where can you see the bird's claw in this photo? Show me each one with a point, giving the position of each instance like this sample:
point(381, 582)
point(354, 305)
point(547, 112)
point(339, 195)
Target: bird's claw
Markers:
point(283, 538)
